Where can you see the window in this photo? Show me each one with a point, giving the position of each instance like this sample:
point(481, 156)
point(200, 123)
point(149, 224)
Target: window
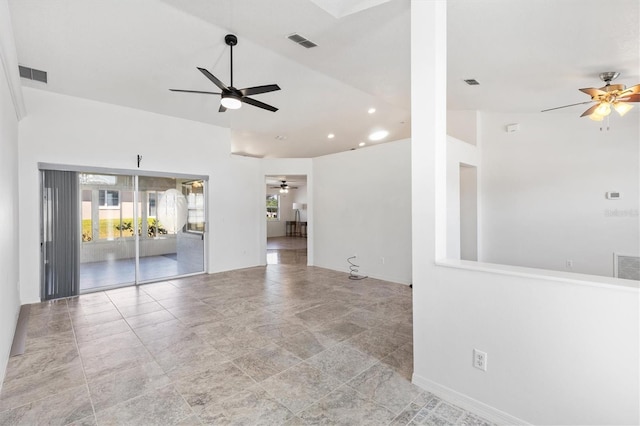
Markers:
point(194, 193)
point(108, 198)
point(151, 208)
point(273, 207)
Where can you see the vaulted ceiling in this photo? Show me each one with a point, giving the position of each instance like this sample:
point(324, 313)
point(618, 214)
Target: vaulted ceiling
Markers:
point(527, 55)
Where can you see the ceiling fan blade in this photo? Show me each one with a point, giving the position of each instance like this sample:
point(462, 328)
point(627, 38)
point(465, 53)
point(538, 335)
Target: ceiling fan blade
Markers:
point(195, 91)
point(214, 79)
point(633, 90)
point(222, 108)
point(590, 110)
point(591, 91)
point(630, 98)
point(258, 104)
point(259, 89)
point(566, 106)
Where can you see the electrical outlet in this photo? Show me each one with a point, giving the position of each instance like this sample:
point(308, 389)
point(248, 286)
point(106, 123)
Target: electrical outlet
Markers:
point(382, 260)
point(480, 360)
point(569, 264)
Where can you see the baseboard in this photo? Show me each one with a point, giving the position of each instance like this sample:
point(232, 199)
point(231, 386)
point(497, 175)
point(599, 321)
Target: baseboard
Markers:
point(463, 401)
point(341, 268)
point(20, 335)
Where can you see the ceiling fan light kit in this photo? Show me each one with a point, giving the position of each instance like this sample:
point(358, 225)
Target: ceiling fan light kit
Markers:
point(230, 97)
point(615, 96)
point(230, 101)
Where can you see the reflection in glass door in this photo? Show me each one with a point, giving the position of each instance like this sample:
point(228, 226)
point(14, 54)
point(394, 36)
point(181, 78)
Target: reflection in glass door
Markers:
point(107, 253)
point(171, 234)
point(138, 229)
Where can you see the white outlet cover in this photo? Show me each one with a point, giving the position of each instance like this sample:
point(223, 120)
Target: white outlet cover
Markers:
point(480, 360)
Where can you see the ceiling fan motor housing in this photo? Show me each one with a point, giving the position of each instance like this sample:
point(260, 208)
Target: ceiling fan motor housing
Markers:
point(613, 87)
point(609, 76)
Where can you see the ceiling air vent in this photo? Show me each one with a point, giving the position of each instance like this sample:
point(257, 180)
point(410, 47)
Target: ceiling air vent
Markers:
point(472, 82)
point(33, 74)
point(295, 37)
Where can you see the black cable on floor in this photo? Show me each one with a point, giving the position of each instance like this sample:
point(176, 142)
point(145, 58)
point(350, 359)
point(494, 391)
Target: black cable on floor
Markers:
point(353, 269)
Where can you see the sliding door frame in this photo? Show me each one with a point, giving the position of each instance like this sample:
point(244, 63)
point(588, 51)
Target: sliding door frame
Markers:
point(135, 173)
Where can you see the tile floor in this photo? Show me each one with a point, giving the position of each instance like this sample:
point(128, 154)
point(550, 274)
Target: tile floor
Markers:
point(276, 345)
point(286, 251)
point(94, 275)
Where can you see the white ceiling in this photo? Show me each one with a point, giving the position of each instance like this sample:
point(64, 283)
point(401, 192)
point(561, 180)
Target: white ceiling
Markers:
point(528, 55)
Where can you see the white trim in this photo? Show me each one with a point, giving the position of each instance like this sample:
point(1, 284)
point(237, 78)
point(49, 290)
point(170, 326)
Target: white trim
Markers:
point(463, 401)
point(543, 274)
point(111, 171)
point(9, 60)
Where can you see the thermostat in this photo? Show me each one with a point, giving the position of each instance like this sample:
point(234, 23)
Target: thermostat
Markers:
point(613, 195)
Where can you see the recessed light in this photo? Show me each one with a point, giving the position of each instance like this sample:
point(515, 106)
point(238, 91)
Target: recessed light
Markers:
point(371, 110)
point(281, 137)
point(361, 144)
point(379, 135)
point(331, 136)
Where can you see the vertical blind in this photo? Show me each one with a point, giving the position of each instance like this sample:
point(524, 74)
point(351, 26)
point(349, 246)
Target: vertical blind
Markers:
point(60, 234)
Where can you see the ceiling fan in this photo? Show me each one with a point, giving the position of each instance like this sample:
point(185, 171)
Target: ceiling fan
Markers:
point(230, 97)
point(284, 187)
point(609, 96)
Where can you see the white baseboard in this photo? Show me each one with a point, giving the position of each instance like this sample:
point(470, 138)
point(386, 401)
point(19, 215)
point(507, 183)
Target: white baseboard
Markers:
point(382, 277)
point(463, 401)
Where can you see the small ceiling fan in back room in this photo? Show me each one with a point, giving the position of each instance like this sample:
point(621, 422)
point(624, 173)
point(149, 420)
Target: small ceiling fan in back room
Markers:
point(608, 97)
point(230, 97)
point(284, 187)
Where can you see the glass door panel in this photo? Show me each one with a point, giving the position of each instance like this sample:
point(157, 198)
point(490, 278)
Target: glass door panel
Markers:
point(107, 251)
point(191, 240)
point(171, 235)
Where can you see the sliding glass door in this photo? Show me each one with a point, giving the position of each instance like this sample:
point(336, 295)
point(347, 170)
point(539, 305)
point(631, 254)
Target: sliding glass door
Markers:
point(107, 250)
point(127, 229)
point(171, 227)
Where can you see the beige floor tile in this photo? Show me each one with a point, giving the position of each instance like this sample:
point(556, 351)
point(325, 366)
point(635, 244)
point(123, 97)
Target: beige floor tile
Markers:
point(342, 362)
point(158, 407)
point(345, 406)
point(300, 386)
point(283, 344)
point(266, 362)
point(213, 385)
point(62, 408)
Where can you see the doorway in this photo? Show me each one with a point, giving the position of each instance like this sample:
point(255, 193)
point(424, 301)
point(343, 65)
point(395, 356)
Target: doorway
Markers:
point(468, 212)
point(130, 229)
point(286, 215)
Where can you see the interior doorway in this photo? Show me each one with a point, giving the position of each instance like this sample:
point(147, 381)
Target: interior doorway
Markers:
point(468, 212)
point(286, 215)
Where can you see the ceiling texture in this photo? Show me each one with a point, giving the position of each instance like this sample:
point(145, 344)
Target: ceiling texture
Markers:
point(528, 55)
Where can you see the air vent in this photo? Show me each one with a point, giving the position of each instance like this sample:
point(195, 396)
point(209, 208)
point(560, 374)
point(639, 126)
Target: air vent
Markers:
point(627, 267)
point(472, 82)
point(297, 38)
point(33, 74)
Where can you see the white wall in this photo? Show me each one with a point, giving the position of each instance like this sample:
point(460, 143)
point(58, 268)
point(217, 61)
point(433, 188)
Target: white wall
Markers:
point(9, 277)
point(562, 349)
point(543, 191)
point(67, 130)
point(463, 125)
point(363, 207)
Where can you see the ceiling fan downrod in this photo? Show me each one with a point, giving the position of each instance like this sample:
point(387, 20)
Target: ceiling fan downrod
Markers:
point(231, 40)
